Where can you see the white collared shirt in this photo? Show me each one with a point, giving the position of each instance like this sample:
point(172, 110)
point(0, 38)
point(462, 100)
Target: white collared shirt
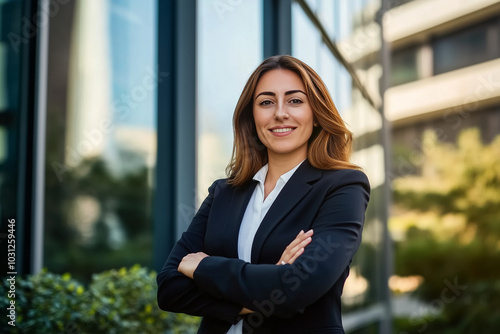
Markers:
point(256, 210)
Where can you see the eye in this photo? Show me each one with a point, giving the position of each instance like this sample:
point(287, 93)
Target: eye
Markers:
point(265, 103)
point(295, 101)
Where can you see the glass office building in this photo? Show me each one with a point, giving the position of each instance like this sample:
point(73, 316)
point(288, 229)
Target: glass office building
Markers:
point(115, 117)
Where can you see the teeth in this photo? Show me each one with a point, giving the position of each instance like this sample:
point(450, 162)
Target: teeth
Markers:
point(282, 130)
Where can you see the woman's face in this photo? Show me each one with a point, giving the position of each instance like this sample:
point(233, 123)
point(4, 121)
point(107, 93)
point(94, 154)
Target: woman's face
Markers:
point(282, 114)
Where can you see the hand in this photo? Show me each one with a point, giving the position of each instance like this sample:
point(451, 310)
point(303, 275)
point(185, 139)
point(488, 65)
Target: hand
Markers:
point(190, 262)
point(296, 247)
point(245, 311)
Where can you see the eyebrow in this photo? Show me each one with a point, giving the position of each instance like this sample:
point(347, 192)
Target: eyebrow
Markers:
point(286, 93)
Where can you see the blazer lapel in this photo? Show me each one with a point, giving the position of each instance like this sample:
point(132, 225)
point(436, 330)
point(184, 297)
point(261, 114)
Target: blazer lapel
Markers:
point(236, 208)
point(295, 189)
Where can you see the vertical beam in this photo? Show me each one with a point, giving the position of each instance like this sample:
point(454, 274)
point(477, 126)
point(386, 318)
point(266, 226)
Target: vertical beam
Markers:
point(164, 195)
point(39, 139)
point(28, 187)
point(176, 122)
point(277, 27)
point(185, 114)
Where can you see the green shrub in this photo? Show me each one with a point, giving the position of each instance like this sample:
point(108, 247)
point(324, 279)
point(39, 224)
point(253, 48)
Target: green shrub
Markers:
point(116, 301)
point(45, 303)
point(476, 311)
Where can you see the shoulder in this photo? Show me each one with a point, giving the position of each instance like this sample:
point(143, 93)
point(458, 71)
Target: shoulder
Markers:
point(344, 177)
point(346, 174)
point(223, 185)
point(216, 185)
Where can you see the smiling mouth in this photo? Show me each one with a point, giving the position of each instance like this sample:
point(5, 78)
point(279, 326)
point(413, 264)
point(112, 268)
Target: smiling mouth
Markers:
point(282, 130)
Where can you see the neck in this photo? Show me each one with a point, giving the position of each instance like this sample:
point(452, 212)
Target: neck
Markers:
point(280, 164)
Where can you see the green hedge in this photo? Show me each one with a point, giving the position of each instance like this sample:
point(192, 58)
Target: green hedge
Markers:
point(116, 301)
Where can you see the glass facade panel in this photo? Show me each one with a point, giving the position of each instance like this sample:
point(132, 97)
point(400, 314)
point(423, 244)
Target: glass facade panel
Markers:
point(10, 44)
point(229, 49)
point(357, 34)
point(305, 38)
point(101, 137)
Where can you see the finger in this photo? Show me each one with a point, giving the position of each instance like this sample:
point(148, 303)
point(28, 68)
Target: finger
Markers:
point(291, 252)
point(298, 239)
point(301, 237)
point(305, 242)
point(300, 250)
point(297, 254)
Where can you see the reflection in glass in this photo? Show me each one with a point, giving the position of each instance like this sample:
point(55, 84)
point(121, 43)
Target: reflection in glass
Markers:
point(100, 136)
point(229, 48)
point(363, 286)
point(10, 70)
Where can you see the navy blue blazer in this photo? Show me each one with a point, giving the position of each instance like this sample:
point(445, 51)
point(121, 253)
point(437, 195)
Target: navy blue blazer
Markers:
point(303, 297)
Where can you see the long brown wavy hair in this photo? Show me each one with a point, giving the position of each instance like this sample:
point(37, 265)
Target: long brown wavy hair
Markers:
point(330, 145)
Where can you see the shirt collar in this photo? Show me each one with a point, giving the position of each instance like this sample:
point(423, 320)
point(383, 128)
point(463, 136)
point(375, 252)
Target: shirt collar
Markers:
point(260, 176)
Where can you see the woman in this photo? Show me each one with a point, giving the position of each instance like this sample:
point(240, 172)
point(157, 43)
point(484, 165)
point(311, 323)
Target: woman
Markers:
point(246, 263)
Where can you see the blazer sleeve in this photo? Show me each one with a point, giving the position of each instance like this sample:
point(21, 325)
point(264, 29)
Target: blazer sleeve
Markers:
point(177, 292)
point(288, 289)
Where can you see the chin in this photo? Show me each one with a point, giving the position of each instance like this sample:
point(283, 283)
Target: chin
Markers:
point(284, 150)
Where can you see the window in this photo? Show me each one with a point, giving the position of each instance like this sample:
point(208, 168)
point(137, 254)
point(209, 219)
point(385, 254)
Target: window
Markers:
point(466, 47)
point(396, 3)
point(101, 137)
point(404, 66)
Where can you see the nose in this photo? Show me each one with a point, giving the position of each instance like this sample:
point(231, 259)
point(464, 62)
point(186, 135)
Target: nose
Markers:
point(280, 112)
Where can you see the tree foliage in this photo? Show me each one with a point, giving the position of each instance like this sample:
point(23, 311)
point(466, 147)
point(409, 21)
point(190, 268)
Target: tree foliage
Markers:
point(120, 198)
point(461, 180)
point(447, 229)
